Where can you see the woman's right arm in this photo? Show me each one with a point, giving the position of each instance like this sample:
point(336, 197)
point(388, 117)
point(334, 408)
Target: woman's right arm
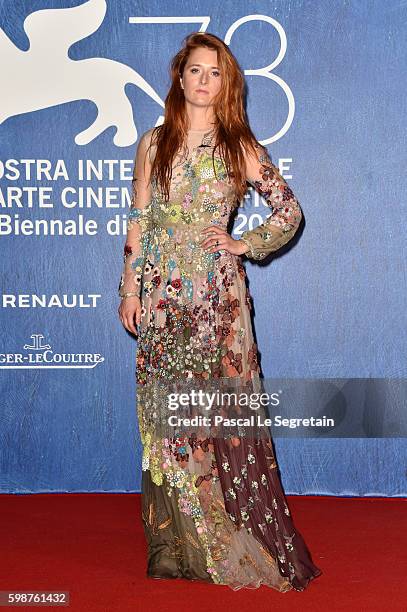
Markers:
point(137, 238)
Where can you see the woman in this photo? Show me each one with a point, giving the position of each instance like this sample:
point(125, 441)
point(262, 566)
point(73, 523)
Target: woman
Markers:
point(213, 505)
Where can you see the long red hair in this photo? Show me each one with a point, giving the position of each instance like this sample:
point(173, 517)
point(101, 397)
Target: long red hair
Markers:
point(232, 131)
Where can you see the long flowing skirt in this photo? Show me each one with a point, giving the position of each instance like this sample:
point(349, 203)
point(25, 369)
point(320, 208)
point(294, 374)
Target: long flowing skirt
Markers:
point(213, 507)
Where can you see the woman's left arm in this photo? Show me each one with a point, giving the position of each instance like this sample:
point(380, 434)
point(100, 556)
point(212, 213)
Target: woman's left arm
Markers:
point(278, 228)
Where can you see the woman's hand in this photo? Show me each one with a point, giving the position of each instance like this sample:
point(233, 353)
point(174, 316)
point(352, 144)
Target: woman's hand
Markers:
point(216, 238)
point(130, 311)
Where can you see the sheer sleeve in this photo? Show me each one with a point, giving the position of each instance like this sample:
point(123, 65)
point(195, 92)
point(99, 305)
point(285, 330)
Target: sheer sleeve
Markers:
point(138, 222)
point(279, 227)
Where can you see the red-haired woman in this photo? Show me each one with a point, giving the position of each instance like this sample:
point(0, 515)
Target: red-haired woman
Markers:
point(213, 504)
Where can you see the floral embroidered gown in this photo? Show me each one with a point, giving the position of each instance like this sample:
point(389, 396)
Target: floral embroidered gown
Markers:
point(213, 507)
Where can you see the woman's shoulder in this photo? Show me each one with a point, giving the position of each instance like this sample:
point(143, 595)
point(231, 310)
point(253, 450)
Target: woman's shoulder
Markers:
point(147, 141)
point(149, 136)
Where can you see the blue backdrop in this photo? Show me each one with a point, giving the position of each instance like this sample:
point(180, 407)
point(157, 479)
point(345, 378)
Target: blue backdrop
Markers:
point(80, 82)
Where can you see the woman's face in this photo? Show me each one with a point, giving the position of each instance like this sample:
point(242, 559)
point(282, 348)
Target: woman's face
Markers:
point(201, 79)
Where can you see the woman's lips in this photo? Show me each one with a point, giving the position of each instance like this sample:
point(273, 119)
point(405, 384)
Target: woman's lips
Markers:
point(202, 91)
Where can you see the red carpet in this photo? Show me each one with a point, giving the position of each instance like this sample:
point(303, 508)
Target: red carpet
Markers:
point(93, 546)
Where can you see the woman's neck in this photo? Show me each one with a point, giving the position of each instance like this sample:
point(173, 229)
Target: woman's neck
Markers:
point(201, 128)
point(199, 121)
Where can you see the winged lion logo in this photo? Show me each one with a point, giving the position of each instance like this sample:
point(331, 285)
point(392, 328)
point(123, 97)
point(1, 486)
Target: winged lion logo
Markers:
point(45, 76)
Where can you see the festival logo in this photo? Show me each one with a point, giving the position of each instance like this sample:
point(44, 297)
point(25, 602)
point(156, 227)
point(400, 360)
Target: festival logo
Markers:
point(45, 76)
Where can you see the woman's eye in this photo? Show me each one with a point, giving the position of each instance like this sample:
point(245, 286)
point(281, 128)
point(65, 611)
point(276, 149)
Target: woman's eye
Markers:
point(215, 73)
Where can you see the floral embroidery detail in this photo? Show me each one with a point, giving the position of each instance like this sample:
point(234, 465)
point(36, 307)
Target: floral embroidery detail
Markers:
point(269, 517)
point(244, 514)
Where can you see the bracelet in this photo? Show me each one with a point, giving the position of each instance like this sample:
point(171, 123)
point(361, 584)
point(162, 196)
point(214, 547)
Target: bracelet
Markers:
point(129, 294)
